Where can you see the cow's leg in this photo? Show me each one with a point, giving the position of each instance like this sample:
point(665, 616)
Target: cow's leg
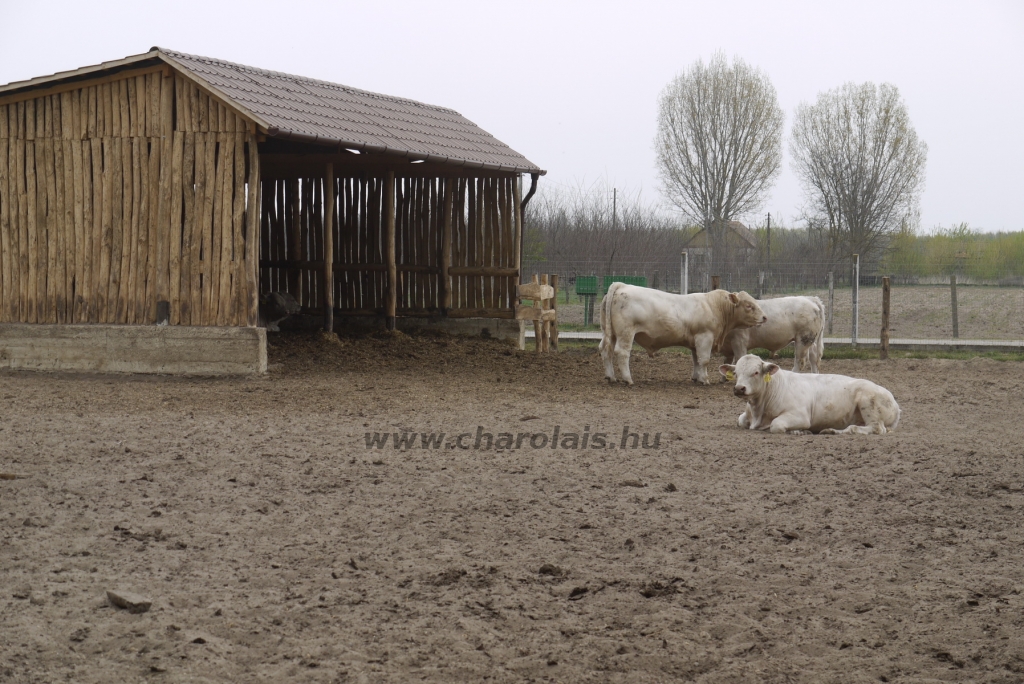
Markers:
point(799, 349)
point(791, 421)
point(701, 354)
point(623, 346)
point(608, 356)
point(871, 414)
point(747, 419)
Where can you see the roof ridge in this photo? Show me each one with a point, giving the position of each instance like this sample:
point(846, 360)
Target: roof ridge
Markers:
point(301, 79)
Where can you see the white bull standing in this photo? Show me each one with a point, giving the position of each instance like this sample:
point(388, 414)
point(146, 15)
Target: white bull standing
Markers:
point(656, 319)
point(782, 401)
point(799, 320)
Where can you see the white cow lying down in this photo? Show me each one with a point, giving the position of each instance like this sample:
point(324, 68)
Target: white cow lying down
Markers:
point(799, 320)
point(783, 401)
point(656, 319)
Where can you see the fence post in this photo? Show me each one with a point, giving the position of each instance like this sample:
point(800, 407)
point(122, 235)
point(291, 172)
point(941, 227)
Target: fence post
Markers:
point(760, 285)
point(856, 299)
point(884, 354)
point(716, 282)
point(831, 300)
point(952, 294)
point(684, 266)
point(554, 305)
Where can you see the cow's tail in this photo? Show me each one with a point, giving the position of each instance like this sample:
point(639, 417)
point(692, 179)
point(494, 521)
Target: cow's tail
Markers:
point(607, 328)
point(817, 350)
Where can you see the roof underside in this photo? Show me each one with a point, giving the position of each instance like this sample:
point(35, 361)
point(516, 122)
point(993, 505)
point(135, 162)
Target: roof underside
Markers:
point(328, 114)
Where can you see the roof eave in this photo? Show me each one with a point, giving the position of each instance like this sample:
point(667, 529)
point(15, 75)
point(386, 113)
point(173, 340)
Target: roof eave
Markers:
point(276, 132)
point(78, 73)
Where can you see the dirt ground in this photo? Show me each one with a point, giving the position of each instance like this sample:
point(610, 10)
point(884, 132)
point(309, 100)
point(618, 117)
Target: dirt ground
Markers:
point(275, 546)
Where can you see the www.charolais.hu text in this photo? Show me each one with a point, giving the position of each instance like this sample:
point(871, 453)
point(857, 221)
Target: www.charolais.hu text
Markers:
point(487, 440)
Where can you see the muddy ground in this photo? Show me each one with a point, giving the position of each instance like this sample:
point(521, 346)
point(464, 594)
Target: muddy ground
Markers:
point(275, 546)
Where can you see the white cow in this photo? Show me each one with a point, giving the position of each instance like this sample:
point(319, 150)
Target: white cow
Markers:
point(799, 320)
point(656, 319)
point(782, 401)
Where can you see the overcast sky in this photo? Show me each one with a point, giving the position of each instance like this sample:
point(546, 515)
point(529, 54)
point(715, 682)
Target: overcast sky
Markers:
point(574, 86)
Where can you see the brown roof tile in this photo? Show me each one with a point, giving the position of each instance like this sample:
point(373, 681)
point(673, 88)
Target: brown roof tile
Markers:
point(294, 106)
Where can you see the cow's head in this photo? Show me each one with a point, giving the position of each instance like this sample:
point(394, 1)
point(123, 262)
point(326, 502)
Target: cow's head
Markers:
point(747, 313)
point(751, 374)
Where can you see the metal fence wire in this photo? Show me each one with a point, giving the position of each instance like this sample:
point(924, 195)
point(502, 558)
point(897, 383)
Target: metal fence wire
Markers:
point(923, 306)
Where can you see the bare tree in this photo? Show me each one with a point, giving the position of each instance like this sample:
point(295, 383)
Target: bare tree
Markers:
point(719, 142)
point(861, 164)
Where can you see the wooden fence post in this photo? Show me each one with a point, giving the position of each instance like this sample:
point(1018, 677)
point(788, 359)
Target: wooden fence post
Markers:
point(952, 294)
point(856, 299)
point(554, 305)
point(884, 354)
point(684, 286)
point(716, 282)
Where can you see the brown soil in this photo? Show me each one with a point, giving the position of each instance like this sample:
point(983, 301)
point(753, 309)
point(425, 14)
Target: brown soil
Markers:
point(276, 547)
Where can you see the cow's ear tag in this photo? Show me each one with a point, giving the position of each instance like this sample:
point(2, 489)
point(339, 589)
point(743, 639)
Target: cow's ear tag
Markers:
point(730, 376)
point(767, 377)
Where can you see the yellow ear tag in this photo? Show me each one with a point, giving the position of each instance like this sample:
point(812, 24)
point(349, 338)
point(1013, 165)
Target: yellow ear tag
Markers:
point(767, 378)
point(730, 376)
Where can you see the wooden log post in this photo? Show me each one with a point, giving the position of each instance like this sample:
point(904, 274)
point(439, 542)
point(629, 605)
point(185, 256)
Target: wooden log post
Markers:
point(952, 294)
point(716, 282)
point(884, 352)
point(554, 306)
point(391, 301)
point(329, 249)
point(538, 324)
point(294, 238)
point(446, 246)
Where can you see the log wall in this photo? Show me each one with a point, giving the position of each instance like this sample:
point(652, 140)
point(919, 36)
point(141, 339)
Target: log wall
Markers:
point(482, 246)
point(122, 192)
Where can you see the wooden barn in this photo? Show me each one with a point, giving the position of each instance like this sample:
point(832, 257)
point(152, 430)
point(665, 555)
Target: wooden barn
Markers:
point(147, 203)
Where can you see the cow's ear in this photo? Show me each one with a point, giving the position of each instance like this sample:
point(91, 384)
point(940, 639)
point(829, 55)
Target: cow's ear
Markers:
point(728, 371)
point(771, 368)
point(733, 298)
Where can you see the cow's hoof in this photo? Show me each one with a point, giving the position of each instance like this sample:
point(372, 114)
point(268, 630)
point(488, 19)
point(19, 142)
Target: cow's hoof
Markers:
point(829, 431)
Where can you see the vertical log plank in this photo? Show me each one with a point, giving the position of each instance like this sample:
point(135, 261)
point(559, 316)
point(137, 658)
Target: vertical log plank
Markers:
point(130, 280)
point(188, 259)
point(391, 305)
point(238, 279)
point(7, 294)
point(174, 226)
point(329, 248)
point(115, 170)
point(106, 230)
point(446, 246)
point(252, 236)
point(50, 214)
point(31, 195)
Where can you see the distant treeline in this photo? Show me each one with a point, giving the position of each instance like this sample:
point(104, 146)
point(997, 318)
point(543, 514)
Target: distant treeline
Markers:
point(588, 232)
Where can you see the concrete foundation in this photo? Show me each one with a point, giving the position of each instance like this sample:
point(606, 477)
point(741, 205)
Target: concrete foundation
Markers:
point(177, 350)
point(498, 328)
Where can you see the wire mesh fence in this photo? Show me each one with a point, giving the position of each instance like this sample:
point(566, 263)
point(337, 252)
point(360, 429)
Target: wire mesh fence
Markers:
point(988, 307)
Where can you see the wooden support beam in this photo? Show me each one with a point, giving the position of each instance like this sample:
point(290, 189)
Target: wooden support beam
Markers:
point(391, 294)
point(329, 249)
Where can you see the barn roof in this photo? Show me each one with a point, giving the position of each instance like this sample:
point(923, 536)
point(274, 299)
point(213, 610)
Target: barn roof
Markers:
point(699, 240)
point(323, 113)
